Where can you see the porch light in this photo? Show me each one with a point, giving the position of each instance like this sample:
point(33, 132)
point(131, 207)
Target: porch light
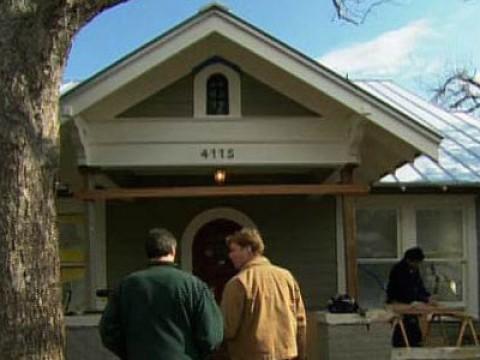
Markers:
point(220, 176)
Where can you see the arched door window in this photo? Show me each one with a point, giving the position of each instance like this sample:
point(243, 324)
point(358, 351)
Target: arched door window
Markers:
point(217, 95)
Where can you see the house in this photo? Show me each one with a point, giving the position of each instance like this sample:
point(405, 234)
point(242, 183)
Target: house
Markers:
point(216, 125)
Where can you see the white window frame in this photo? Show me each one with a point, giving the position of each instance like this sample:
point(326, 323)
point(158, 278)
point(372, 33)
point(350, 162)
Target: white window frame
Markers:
point(406, 207)
point(200, 91)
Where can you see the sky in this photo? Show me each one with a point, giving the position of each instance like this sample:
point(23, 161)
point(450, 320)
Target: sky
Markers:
point(416, 43)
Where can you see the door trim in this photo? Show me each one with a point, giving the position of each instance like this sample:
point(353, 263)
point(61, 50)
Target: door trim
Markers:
point(202, 219)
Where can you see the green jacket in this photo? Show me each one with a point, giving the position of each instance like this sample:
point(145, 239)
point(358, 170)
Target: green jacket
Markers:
point(161, 313)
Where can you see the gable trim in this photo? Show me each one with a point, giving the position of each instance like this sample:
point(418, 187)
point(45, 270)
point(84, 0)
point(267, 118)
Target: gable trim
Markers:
point(216, 19)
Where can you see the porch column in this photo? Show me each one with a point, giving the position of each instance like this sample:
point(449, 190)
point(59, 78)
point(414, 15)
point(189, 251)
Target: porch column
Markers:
point(349, 231)
point(96, 252)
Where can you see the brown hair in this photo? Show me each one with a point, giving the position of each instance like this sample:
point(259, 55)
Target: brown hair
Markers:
point(160, 242)
point(247, 237)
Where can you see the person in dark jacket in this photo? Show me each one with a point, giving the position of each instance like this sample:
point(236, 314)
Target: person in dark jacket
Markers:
point(405, 286)
point(161, 312)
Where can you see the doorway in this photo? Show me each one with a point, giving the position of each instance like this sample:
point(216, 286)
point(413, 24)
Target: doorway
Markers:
point(210, 261)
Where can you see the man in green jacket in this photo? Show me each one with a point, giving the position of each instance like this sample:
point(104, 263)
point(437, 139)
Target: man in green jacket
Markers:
point(161, 313)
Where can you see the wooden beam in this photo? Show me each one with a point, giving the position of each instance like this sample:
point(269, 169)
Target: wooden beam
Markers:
point(350, 232)
point(218, 191)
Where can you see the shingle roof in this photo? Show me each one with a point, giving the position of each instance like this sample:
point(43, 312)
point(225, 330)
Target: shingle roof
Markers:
point(459, 151)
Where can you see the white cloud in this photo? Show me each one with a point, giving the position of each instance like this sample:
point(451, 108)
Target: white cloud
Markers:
point(386, 55)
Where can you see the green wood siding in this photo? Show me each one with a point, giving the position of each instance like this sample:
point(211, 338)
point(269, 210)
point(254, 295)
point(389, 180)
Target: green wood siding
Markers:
point(299, 233)
point(175, 100)
point(68, 166)
point(258, 99)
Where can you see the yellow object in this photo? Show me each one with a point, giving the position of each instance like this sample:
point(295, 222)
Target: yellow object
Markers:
point(72, 265)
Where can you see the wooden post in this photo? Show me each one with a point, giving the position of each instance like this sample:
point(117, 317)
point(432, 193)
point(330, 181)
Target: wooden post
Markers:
point(349, 231)
point(95, 245)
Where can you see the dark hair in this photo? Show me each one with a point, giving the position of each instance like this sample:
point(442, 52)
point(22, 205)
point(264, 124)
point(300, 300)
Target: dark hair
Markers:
point(414, 254)
point(160, 242)
point(248, 237)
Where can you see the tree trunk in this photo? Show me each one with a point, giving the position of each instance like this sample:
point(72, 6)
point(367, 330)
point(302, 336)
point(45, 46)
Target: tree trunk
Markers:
point(35, 37)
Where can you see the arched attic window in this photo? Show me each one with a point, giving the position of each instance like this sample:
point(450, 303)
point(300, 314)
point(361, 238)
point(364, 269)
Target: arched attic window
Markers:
point(217, 91)
point(218, 102)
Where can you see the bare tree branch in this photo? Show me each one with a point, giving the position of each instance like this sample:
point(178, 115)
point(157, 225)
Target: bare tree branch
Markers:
point(355, 11)
point(460, 91)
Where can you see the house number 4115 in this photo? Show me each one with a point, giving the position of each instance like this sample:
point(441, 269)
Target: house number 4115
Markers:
point(217, 153)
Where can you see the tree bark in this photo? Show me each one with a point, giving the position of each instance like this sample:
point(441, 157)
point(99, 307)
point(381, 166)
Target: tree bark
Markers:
point(35, 37)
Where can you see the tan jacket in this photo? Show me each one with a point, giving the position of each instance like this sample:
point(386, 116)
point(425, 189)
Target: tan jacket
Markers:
point(264, 315)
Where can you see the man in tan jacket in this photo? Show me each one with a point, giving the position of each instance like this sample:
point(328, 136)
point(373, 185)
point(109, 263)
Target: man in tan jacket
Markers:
point(263, 310)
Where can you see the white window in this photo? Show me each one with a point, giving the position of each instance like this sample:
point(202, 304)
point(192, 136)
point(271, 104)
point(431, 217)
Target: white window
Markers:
point(440, 235)
point(443, 226)
point(217, 91)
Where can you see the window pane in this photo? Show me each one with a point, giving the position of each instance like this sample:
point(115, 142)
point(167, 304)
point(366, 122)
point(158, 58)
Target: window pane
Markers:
point(377, 233)
point(217, 95)
point(373, 279)
point(440, 232)
point(444, 280)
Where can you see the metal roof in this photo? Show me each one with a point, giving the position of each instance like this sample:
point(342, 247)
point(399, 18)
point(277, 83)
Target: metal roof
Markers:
point(459, 151)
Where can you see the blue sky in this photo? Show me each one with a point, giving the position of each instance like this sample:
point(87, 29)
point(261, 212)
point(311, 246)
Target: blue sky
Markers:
point(414, 42)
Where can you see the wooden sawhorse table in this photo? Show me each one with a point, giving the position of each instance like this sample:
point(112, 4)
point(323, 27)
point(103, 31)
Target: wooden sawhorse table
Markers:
point(429, 314)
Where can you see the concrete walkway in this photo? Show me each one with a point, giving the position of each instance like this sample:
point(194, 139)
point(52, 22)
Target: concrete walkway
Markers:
point(437, 353)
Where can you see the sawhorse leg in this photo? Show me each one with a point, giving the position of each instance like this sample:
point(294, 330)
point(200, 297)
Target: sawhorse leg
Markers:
point(398, 321)
point(467, 322)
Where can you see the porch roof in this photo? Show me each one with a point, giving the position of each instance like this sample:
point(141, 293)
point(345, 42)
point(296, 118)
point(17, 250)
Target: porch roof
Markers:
point(458, 162)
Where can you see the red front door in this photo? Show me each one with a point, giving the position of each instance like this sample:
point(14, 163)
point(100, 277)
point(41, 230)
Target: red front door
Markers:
point(210, 254)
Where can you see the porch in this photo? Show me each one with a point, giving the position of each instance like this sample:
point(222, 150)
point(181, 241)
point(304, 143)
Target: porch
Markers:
point(330, 337)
